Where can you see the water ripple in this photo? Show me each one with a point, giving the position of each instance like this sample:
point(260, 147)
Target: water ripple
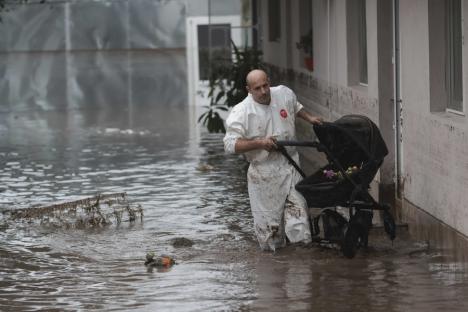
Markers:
point(188, 188)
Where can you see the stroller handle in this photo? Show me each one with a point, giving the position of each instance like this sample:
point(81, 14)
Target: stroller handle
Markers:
point(298, 143)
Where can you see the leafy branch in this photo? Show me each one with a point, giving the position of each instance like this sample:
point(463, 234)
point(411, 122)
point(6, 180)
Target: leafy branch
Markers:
point(306, 43)
point(227, 85)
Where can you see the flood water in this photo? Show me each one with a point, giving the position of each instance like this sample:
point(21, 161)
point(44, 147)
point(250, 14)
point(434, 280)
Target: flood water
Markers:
point(188, 188)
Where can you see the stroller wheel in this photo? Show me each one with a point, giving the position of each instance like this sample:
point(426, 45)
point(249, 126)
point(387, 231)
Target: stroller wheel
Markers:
point(350, 242)
point(389, 223)
point(361, 222)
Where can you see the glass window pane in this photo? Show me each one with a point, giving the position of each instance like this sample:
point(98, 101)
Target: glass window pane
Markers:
point(454, 55)
point(214, 47)
point(362, 42)
point(274, 20)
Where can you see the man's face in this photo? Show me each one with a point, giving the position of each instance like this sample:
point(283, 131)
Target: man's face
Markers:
point(259, 87)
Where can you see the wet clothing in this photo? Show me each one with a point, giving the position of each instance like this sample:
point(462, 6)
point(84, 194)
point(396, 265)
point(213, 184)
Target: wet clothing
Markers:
point(278, 209)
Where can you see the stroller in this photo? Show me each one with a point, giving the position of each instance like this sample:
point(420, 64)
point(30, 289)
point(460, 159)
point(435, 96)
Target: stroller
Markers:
point(355, 151)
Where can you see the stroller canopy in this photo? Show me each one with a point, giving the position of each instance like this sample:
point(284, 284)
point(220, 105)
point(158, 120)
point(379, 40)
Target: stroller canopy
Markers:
point(352, 140)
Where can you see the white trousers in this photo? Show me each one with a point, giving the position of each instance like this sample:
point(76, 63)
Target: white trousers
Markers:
point(279, 210)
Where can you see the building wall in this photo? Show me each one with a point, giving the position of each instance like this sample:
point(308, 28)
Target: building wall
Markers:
point(435, 143)
point(328, 90)
point(214, 7)
point(273, 52)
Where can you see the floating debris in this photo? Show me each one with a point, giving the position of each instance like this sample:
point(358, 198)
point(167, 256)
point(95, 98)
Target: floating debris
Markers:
point(161, 261)
point(204, 167)
point(227, 237)
point(99, 210)
point(182, 242)
point(127, 132)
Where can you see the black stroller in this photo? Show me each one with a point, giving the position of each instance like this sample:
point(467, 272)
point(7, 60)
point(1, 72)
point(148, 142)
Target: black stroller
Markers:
point(355, 151)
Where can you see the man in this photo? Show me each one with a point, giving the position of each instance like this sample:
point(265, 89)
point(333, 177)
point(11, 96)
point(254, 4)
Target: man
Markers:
point(254, 125)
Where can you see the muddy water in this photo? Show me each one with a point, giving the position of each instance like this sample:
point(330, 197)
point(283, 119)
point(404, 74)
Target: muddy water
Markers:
point(188, 188)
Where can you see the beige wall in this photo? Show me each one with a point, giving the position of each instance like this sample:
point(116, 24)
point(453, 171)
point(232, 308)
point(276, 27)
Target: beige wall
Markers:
point(275, 51)
point(435, 144)
point(326, 91)
point(330, 57)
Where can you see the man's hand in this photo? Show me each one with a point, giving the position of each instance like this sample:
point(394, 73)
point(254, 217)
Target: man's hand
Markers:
point(269, 144)
point(315, 120)
point(246, 145)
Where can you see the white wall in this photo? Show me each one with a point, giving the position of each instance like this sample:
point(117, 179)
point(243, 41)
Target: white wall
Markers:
point(274, 52)
point(328, 90)
point(330, 54)
point(435, 145)
point(327, 42)
point(215, 7)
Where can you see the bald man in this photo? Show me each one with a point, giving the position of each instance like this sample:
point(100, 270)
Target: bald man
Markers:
point(268, 114)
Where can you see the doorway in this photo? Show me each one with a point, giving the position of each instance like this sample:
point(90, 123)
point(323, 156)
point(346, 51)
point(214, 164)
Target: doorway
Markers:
point(208, 41)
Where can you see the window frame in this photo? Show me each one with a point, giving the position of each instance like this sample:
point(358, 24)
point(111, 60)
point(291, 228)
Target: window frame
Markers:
point(452, 106)
point(274, 20)
point(363, 43)
point(357, 44)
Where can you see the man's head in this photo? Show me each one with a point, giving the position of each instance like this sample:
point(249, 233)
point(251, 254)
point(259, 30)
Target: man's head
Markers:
point(258, 85)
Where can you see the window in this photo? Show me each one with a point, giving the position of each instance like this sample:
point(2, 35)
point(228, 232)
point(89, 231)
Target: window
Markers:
point(306, 35)
point(362, 35)
point(274, 20)
point(356, 27)
point(214, 47)
point(453, 54)
point(445, 56)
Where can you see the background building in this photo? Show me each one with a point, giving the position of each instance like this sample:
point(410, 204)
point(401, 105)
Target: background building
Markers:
point(108, 53)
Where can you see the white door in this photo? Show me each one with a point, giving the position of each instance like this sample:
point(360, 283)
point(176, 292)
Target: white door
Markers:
point(207, 39)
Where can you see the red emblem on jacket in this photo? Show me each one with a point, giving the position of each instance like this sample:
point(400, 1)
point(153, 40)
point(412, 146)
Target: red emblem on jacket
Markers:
point(283, 113)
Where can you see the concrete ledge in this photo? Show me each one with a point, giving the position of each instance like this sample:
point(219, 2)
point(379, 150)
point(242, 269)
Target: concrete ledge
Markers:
point(438, 235)
point(378, 229)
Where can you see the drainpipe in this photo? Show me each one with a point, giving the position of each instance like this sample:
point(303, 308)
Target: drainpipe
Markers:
point(397, 99)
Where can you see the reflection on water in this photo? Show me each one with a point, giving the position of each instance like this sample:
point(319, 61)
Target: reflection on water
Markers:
point(188, 188)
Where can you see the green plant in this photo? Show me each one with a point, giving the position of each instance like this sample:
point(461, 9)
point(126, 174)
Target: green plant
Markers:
point(227, 85)
point(306, 43)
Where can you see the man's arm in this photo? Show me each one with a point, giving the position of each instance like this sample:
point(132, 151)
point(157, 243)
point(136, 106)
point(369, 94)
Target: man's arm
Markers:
point(246, 145)
point(303, 114)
